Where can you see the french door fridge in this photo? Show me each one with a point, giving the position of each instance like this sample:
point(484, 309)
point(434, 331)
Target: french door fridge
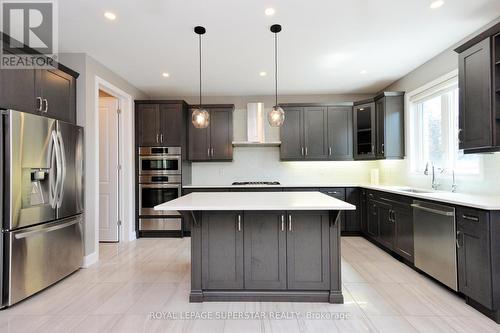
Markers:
point(41, 186)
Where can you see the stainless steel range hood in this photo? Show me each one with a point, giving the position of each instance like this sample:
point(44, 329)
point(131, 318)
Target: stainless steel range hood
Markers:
point(256, 133)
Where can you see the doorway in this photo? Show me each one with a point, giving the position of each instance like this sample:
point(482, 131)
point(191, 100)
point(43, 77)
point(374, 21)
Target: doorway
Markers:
point(109, 168)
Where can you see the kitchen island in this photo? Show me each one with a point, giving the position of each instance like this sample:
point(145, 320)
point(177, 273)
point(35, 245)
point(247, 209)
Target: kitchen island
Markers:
point(254, 246)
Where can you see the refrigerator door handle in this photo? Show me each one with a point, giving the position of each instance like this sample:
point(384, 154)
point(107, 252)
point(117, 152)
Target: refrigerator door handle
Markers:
point(57, 154)
point(60, 145)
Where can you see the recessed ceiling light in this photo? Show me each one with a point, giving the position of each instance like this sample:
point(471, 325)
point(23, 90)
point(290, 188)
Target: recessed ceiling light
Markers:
point(364, 71)
point(165, 75)
point(263, 74)
point(436, 4)
point(269, 11)
point(110, 16)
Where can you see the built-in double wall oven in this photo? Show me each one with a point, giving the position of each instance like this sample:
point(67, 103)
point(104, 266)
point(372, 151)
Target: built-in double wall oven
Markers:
point(159, 181)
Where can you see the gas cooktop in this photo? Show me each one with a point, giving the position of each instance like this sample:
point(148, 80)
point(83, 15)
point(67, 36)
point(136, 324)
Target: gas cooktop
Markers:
point(256, 183)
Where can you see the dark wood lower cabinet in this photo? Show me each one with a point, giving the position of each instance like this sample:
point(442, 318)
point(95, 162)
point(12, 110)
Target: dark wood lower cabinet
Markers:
point(308, 251)
point(372, 220)
point(265, 250)
point(403, 241)
point(222, 248)
point(386, 225)
point(474, 255)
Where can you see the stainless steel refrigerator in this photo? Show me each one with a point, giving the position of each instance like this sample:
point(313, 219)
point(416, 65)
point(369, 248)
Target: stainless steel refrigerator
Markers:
point(41, 204)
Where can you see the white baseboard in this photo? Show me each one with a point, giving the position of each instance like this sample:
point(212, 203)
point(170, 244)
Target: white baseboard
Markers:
point(90, 260)
point(132, 236)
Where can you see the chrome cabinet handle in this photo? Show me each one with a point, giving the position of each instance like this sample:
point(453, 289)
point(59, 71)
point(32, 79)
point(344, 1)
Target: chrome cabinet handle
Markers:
point(289, 222)
point(382, 148)
point(459, 136)
point(329, 151)
point(470, 218)
point(373, 148)
point(306, 151)
point(46, 105)
point(282, 222)
point(458, 239)
point(302, 151)
point(239, 222)
point(161, 138)
point(157, 138)
point(39, 103)
point(208, 152)
point(213, 152)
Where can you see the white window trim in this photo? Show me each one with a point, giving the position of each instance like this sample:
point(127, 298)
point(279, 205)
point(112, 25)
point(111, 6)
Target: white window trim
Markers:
point(439, 83)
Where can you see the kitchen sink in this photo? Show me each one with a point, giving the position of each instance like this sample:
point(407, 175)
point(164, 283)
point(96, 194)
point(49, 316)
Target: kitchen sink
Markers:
point(414, 190)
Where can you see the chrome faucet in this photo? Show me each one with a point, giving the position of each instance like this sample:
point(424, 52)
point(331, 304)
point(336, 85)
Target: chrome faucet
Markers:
point(435, 184)
point(454, 184)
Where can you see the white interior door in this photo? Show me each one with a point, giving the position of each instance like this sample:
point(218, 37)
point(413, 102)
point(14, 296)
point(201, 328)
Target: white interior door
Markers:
point(109, 141)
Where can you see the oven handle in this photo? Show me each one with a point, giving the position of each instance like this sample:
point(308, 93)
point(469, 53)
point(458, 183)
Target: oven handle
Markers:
point(160, 185)
point(160, 157)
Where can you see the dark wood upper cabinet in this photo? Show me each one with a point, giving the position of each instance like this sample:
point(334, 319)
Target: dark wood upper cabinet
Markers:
point(364, 131)
point(316, 132)
point(479, 92)
point(148, 125)
point(57, 91)
point(45, 92)
point(389, 112)
point(475, 97)
point(214, 143)
point(171, 121)
point(292, 134)
point(221, 134)
point(160, 123)
point(17, 90)
point(339, 133)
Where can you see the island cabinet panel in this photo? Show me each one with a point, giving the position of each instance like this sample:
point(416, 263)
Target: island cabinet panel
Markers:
point(337, 193)
point(222, 250)
point(308, 251)
point(265, 250)
point(372, 219)
point(474, 255)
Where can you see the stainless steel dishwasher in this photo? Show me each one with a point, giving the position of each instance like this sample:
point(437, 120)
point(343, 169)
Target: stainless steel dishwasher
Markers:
point(434, 231)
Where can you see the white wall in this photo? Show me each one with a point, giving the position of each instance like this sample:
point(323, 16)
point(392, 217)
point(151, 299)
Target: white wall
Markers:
point(397, 172)
point(89, 69)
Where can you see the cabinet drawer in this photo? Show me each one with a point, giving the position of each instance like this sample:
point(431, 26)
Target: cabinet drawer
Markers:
point(336, 192)
point(473, 221)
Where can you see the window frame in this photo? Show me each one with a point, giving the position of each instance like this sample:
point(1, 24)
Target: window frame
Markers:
point(437, 87)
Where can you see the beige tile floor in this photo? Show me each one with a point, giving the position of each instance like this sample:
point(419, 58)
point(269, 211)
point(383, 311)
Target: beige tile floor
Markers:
point(133, 279)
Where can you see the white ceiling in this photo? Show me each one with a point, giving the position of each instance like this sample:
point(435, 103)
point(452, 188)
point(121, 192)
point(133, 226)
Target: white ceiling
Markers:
point(322, 49)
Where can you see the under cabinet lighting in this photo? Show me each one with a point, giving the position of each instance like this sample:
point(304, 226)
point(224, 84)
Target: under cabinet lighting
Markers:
point(263, 74)
point(165, 75)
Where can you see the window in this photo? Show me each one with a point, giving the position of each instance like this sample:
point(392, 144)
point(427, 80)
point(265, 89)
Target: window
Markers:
point(434, 131)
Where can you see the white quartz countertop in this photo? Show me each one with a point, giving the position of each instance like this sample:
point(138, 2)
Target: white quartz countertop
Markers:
point(486, 202)
point(255, 201)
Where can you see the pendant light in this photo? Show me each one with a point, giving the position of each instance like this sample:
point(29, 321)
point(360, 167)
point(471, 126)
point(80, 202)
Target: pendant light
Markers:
point(276, 116)
point(200, 117)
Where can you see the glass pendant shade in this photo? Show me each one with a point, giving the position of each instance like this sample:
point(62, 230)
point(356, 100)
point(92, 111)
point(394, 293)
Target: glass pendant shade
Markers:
point(200, 118)
point(276, 116)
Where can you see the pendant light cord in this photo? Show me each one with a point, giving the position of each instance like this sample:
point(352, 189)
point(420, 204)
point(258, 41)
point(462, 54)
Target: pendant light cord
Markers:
point(199, 47)
point(276, 68)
